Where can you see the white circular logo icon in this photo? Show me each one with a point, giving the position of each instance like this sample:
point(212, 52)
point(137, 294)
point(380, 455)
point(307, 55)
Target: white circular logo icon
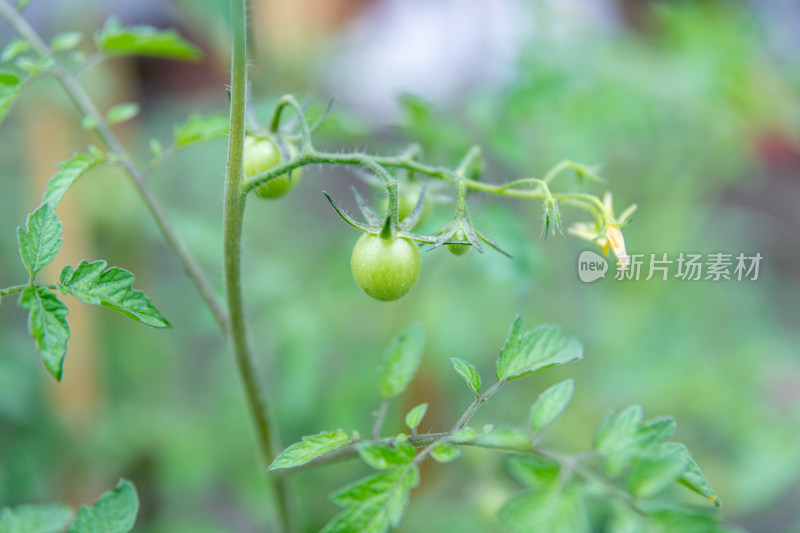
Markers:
point(591, 266)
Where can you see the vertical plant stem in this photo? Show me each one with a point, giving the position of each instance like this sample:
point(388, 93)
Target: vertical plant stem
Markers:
point(233, 218)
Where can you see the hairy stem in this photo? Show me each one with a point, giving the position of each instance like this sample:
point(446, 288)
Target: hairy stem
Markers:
point(87, 108)
point(233, 218)
point(407, 161)
point(13, 290)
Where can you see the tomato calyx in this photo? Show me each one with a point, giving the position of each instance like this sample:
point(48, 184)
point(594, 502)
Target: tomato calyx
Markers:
point(459, 234)
point(388, 227)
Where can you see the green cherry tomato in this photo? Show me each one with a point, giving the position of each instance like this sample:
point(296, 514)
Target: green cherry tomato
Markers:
point(386, 269)
point(459, 249)
point(261, 155)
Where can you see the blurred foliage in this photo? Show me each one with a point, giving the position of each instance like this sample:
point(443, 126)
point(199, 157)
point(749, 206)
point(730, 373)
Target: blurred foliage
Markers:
point(678, 115)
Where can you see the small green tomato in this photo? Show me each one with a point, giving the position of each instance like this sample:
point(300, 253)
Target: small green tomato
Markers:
point(459, 249)
point(386, 269)
point(261, 155)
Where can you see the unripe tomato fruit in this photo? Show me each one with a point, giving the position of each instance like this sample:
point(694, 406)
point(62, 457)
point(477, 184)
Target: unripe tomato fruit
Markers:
point(385, 269)
point(261, 155)
point(459, 249)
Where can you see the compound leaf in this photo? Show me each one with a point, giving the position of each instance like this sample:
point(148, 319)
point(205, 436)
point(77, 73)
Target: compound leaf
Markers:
point(382, 457)
point(114, 512)
point(694, 478)
point(114, 39)
point(374, 504)
point(47, 324)
point(40, 241)
point(444, 453)
point(534, 350)
point(198, 128)
point(67, 174)
point(401, 361)
point(552, 510)
point(113, 288)
point(652, 474)
point(534, 471)
point(310, 448)
point(414, 416)
point(469, 373)
point(550, 404)
point(35, 519)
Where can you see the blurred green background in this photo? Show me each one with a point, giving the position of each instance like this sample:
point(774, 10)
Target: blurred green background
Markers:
point(691, 108)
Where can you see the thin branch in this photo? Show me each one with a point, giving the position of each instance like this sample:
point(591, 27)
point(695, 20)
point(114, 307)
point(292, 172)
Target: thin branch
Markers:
point(87, 63)
point(82, 101)
point(13, 290)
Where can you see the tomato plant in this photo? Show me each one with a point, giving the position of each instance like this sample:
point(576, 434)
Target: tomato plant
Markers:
point(626, 478)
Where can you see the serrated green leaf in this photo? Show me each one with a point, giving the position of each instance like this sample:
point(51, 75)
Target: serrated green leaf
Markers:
point(91, 283)
point(122, 112)
point(374, 504)
point(14, 48)
point(626, 520)
point(684, 521)
point(35, 519)
point(620, 440)
point(414, 416)
point(114, 39)
point(534, 350)
point(310, 448)
point(651, 475)
point(114, 512)
point(534, 471)
point(10, 86)
point(65, 41)
point(47, 324)
point(656, 431)
point(466, 434)
point(548, 510)
point(67, 174)
point(445, 453)
point(507, 438)
point(694, 479)
point(381, 457)
point(40, 241)
point(198, 128)
point(469, 373)
point(551, 404)
point(616, 432)
point(401, 361)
